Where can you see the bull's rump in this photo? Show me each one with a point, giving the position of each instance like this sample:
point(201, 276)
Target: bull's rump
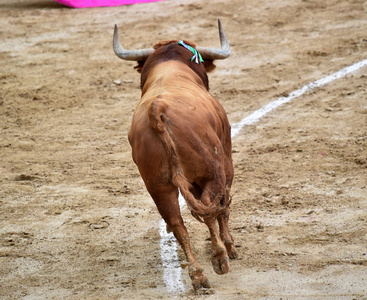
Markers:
point(193, 129)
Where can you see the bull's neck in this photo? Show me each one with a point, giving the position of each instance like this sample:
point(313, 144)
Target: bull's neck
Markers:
point(171, 77)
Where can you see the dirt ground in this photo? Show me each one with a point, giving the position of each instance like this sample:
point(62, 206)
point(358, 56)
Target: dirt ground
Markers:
point(75, 219)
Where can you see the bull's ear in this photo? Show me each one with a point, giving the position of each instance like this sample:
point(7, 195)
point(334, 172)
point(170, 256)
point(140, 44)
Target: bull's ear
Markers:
point(139, 66)
point(209, 65)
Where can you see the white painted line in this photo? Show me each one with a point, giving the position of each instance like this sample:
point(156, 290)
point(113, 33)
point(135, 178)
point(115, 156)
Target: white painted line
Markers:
point(171, 264)
point(258, 114)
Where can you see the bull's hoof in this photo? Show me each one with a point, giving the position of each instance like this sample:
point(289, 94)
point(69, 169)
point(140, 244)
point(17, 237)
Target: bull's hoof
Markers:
point(220, 263)
point(201, 283)
point(231, 249)
point(199, 279)
point(232, 252)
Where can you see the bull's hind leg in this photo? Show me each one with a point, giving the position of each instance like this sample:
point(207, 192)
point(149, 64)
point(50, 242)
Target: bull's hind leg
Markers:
point(166, 199)
point(226, 235)
point(223, 219)
point(220, 260)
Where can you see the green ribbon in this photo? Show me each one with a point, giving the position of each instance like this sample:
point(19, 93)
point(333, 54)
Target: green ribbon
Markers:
point(196, 53)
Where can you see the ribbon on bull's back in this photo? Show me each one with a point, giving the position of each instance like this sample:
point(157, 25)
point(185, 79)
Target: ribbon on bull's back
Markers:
point(98, 3)
point(196, 53)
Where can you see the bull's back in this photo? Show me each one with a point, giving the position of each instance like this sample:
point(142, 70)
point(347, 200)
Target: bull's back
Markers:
point(177, 116)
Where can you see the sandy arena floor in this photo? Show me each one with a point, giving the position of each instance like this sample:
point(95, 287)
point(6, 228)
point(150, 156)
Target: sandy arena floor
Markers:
point(75, 219)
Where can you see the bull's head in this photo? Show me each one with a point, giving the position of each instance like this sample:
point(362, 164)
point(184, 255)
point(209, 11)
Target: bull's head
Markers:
point(143, 54)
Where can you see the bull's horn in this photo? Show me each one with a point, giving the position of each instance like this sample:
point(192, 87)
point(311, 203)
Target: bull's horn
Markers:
point(210, 53)
point(135, 55)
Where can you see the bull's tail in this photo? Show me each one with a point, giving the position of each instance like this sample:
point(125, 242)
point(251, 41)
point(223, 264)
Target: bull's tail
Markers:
point(159, 122)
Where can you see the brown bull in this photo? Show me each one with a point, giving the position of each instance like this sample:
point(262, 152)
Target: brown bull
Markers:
point(181, 140)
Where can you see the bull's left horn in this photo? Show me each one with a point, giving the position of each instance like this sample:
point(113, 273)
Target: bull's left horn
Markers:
point(210, 53)
point(135, 55)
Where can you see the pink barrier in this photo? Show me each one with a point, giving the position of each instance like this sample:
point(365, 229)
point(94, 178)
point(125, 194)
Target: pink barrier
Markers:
point(95, 3)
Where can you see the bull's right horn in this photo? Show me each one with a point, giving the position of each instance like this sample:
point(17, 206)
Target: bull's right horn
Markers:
point(134, 55)
point(222, 53)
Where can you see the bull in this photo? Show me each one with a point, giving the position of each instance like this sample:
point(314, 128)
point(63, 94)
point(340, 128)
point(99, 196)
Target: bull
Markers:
point(181, 141)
